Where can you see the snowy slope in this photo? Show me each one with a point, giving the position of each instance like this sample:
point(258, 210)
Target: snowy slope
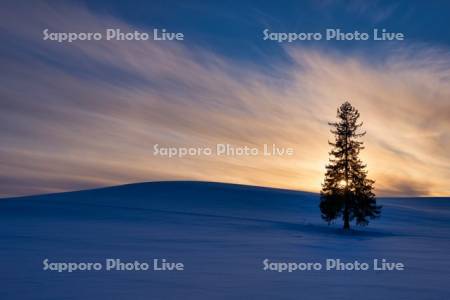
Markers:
point(221, 233)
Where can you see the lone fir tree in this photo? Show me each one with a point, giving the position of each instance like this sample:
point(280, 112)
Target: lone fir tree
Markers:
point(347, 191)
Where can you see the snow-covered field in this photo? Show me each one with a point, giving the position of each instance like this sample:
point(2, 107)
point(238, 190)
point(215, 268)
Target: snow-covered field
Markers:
point(221, 233)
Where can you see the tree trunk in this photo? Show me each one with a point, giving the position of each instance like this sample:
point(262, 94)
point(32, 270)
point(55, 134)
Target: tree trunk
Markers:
point(346, 214)
point(346, 207)
point(346, 220)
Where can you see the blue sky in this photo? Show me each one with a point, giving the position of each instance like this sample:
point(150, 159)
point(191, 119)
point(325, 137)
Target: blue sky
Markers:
point(235, 27)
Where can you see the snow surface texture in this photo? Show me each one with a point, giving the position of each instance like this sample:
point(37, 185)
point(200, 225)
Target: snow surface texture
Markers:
point(221, 233)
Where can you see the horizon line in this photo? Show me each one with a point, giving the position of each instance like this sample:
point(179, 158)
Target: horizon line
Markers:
point(204, 182)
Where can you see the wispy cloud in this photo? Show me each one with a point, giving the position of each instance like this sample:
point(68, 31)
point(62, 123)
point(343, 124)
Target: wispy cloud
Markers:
point(375, 11)
point(87, 114)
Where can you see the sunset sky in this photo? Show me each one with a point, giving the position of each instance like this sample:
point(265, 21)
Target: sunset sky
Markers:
point(87, 114)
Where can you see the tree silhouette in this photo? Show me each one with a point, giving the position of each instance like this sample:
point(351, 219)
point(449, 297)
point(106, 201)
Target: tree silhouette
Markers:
point(347, 191)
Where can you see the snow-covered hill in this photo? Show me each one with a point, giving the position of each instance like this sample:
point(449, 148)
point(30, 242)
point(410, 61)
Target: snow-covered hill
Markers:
point(221, 233)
